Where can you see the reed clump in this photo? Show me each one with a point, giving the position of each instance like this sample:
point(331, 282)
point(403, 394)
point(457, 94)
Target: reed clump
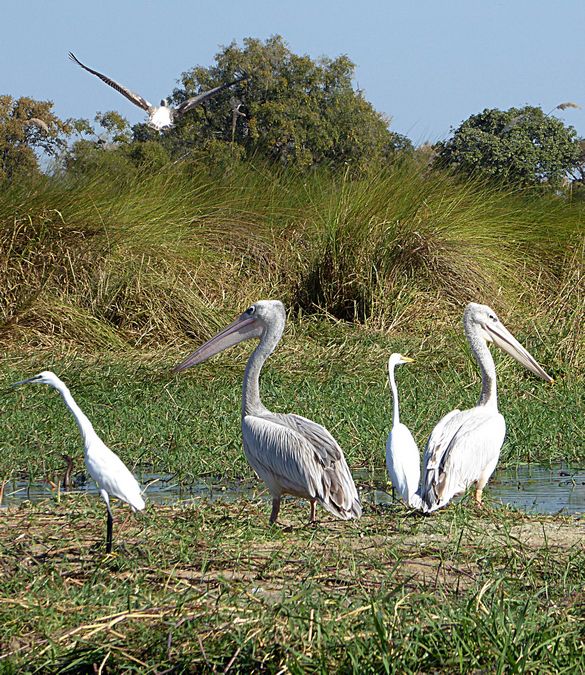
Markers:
point(162, 256)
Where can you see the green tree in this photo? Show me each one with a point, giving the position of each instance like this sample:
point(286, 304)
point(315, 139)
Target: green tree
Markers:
point(520, 146)
point(108, 147)
point(26, 128)
point(292, 109)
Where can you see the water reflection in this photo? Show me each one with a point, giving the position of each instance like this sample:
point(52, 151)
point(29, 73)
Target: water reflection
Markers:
point(158, 488)
point(532, 488)
point(540, 489)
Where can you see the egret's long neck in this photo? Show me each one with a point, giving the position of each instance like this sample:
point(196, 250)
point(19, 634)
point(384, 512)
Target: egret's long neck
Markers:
point(483, 356)
point(395, 411)
point(251, 402)
point(85, 427)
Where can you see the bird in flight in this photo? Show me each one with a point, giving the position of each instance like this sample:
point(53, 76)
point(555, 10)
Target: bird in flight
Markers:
point(160, 116)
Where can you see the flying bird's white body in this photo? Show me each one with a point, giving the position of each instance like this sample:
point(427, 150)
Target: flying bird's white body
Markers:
point(105, 467)
point(464, 447)
point(161, 118)
point(290, 453)
point(402, 455)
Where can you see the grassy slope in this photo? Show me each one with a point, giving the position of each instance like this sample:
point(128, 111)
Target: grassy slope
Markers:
point(143, 263)
point(110, 281)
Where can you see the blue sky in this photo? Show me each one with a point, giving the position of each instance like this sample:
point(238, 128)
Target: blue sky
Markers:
point(426, 64)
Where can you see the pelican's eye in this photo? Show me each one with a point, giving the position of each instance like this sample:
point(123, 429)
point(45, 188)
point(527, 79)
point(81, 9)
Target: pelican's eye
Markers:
point(492, 317)
point(251, 310)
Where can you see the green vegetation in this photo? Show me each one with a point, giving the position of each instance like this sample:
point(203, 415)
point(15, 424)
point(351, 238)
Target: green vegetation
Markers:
point(112, 270)
point(26, 127)
point(520, 146)
point(110, 281)
point(292, 110)
point(207, 587)
point(189, 424)
point(152, 258)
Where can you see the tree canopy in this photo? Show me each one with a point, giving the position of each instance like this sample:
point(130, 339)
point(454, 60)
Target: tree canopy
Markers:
point(292, 109)
point(519, 146)
point(27, 126)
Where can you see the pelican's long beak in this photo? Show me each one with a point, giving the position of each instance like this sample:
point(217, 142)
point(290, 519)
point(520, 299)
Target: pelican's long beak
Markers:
point(407, 359)
point(506, 341)
point(243, 328)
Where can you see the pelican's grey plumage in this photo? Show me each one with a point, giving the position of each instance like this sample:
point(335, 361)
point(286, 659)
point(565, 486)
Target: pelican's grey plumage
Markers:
point(290, 453)
point(163, 116)
point(464, 447)
point(402, 456)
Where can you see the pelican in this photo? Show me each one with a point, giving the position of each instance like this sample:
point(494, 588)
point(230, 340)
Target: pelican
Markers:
point(464, 447)
point(105, 467)
point(163, 116)
point(402, 456)
point(290, 453)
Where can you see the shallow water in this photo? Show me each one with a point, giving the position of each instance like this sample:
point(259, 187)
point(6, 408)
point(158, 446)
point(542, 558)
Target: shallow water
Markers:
point(158, 488)
point(529, 487)
point(540, 489)
point(532, 488)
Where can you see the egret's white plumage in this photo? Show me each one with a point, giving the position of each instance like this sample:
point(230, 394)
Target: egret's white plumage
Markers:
point(163, 116)
point(105, 467)
point(290, 453)
point(464, 447)
point(402, 455)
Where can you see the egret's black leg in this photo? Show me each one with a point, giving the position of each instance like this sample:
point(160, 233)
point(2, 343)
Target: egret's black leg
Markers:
point(109, 533)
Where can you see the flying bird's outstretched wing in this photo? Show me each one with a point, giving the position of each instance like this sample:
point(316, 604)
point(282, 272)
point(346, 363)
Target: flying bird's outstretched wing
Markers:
point(130, 95)
point(190, 103)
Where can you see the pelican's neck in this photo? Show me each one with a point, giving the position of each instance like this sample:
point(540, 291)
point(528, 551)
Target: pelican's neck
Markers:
point(251, 402)
point(395, 411)
point(483, 356)
point(85, 427)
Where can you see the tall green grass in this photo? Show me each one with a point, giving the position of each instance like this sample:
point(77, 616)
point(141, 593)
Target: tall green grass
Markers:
point(156, 258)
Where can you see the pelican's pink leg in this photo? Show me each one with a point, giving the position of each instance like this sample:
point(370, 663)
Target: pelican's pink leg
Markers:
point(313, 511)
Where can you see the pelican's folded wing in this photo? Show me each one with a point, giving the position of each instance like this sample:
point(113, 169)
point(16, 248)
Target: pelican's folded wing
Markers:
point(460, 448)
point(303, 458)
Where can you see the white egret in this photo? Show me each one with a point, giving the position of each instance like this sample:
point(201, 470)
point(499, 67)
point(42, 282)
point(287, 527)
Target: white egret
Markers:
point(290, 453)
point(105, 467)
point(402, 455)
point(163, 116)
point(464, 447)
